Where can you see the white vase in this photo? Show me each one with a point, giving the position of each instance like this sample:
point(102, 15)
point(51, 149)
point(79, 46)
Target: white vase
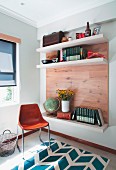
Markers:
point(65, 105)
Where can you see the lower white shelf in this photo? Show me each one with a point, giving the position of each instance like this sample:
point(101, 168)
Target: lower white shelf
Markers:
point(93, 61)
point(76, 124)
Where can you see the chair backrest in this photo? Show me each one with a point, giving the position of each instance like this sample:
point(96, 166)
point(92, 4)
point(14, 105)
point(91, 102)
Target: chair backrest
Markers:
point(29, 114)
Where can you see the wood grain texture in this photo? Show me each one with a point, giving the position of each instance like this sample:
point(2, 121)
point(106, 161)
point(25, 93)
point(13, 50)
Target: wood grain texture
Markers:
point(100, 48)
point(90, 83)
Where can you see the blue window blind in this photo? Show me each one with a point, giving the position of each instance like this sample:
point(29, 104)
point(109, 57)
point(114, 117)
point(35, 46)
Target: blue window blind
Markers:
point(7, 63)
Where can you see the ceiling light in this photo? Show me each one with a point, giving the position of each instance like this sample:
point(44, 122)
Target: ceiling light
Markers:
point(22, 3)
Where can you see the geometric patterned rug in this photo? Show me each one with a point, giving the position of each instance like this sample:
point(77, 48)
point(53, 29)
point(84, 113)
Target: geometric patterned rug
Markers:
point(62, 156)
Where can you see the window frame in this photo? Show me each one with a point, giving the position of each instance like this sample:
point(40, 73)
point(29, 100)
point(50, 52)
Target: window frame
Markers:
point(16, 88)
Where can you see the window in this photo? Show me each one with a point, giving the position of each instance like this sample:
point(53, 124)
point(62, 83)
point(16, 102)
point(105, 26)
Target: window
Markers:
point(9, 70)
point(7, 63)
point(9, 95)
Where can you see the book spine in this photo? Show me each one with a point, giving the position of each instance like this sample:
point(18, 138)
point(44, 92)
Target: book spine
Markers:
point(89, 115)
point(77, 114)
point(93, 117)
point(101, 117)
point(80, 118)
point(64, 54)
point(73, 115)
point(82, 114)
point(98, 118)
point(85, 115)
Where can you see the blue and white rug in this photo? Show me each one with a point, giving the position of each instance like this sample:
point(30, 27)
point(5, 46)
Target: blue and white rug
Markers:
point(61, 157)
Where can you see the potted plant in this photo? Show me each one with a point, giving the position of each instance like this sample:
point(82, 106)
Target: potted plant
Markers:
point(65, 96)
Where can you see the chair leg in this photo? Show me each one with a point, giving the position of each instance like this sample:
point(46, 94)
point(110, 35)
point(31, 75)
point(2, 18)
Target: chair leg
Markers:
point(23, 143)
point(40, 137)
point(17, 141)
point(49, 135)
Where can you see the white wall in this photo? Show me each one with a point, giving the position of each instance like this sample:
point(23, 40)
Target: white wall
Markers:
point(101, 14)
point(94, 16)
point(29, 75)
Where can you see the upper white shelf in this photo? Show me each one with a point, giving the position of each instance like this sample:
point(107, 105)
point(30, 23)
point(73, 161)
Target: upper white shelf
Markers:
point(95, 39)
point(93, 61)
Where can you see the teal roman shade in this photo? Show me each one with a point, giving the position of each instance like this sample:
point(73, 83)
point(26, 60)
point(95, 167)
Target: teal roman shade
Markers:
point(7, 63)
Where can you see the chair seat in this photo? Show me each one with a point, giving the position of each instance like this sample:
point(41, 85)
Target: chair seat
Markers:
point(34, 126)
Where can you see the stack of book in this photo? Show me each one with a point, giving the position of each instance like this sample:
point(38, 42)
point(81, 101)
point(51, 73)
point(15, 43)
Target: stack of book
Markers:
point(91, 116)
point(74, 53)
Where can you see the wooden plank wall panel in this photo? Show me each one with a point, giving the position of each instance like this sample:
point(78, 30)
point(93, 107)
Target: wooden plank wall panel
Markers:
point(90, 83)
point(100, 48)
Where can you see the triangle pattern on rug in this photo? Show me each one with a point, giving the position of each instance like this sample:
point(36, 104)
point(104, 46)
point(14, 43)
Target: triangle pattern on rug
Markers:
point(61, 157)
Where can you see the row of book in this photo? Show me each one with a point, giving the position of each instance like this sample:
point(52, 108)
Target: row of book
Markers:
point(85, 115)
point(91, 116)
point(74, 53)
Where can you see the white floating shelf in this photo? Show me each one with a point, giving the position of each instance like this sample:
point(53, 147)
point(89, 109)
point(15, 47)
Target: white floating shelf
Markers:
point(93, 61)
point(76, 124)
point(95, 39)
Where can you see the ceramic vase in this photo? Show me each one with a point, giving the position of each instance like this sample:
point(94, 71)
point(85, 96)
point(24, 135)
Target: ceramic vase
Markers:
point(65, 104)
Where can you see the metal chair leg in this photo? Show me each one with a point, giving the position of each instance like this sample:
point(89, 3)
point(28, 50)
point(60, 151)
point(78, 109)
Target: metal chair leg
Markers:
point(49, 135)
point(23, 143)
point(40, 137)
point(17, 141)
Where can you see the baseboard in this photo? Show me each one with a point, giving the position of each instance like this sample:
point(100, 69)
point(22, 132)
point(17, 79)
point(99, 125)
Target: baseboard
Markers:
point(104, 148)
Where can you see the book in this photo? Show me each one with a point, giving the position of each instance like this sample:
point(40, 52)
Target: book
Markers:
point(83, 53)
point(62, 115)
point(64, 54)
point(80, 115)
point(73, 116)
point(93, 117)
point(98, 118)
point(101, 117)
point(77, 114)
point(85, 115)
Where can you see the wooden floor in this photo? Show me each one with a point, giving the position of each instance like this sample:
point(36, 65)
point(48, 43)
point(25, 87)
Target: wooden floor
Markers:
point(33, 139)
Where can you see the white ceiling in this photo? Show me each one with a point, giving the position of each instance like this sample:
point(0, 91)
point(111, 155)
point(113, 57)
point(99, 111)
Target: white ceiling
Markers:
point(42, 12)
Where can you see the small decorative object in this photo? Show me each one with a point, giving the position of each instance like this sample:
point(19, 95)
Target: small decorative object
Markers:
point(88, 30)
point(77, 35)
point(65, 96)
point(69, 38)
point(80, 35)
point(51, 105)
point(96, 30)
point(64, 39)
point(46, 61)
point(94, 55)
point(55, 60)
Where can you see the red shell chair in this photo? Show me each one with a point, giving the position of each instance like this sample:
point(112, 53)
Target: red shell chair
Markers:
point(30, 118)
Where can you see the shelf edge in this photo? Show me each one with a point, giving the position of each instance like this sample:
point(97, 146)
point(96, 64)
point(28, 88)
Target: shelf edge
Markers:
point(79, 124)
point(94, 61)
